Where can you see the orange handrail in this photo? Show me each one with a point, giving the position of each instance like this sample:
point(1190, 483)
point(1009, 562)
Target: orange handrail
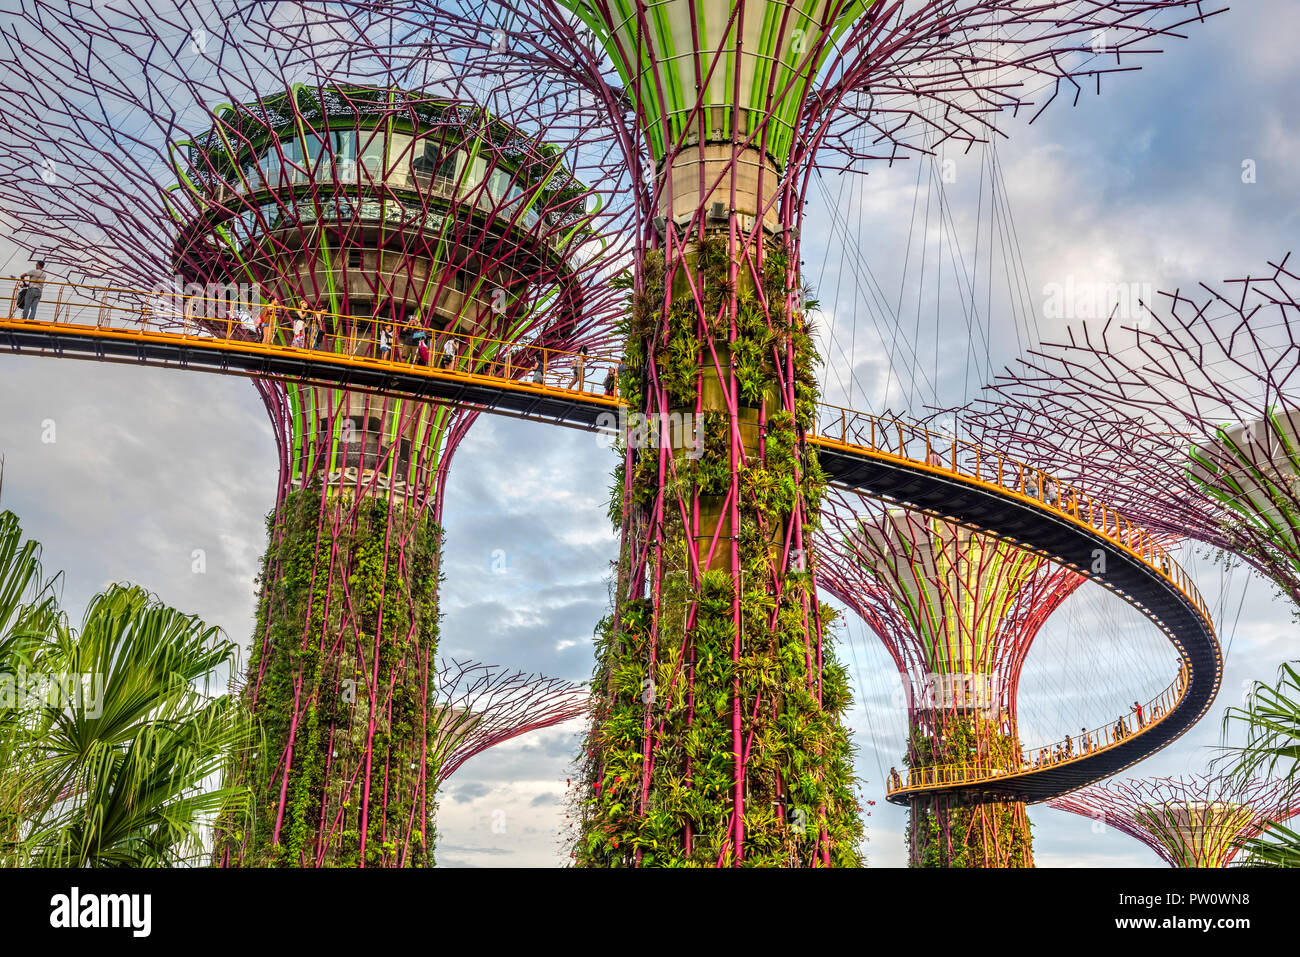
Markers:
point(1064, 751)
point(481, 355)
point(367, 337)
point(1046, 490)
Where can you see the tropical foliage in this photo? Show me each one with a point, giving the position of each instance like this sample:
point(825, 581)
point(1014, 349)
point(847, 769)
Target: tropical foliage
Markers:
point(946, 831)
point(656, 783)
point(1271, 721)
point(111, 764)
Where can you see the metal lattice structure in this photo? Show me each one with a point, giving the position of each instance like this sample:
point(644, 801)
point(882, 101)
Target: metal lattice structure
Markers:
point(957, 611)
point(1186, 417)
point(714, 669)
point(479, 706)
point(179, 146)
point(1192, 821)
point(717, 736)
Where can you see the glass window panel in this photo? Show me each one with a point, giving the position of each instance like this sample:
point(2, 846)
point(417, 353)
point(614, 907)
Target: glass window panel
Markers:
point(316, 159)
point(399, 151)
point(371, 158)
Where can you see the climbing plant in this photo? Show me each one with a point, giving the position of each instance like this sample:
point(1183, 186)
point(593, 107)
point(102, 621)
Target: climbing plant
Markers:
point(337, 693)
point(966, 829)
point(656, 783)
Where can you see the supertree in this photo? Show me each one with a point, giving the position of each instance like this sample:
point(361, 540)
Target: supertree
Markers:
point(1184, 416)
point(179, 144)
point(478, 706)
point(471, 707)
point(957, 610)
point(716, 737)
point(1193, 821)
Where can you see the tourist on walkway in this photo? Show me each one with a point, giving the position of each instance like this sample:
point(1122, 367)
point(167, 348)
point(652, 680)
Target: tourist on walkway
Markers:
point(579, 370)
point(269, 320)
point(33, 285)
point(302, 315)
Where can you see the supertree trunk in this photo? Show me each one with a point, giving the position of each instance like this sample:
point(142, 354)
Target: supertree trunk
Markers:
point(966, 829)
point(375, 215)
point(944, 832)
point(958, 612)
point(717, 737)
point(348, 625)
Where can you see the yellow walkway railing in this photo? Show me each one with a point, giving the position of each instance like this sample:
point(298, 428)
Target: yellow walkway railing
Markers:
point(1068, 750)
point(109, 312)
point(148, 313)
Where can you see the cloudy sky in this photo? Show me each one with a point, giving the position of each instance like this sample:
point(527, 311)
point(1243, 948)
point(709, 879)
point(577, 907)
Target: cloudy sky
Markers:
point(1140, 185)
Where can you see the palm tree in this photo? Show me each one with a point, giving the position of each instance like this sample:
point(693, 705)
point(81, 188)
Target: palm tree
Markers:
point(1271, 719)
point(119, 771)
point(28, 612)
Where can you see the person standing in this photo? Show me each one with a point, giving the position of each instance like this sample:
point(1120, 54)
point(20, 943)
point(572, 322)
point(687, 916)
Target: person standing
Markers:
point(269, 320)
point(579, 369)
point(385, 343)
point(33, 286)
point(448, 353)
point(300, 324)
